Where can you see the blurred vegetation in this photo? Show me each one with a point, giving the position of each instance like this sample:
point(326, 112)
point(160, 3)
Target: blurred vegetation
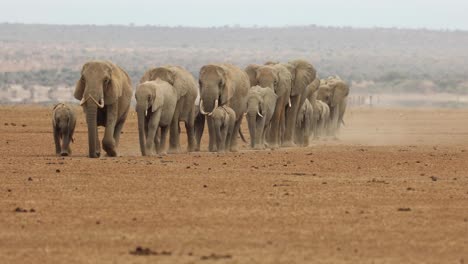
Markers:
point(373, 60)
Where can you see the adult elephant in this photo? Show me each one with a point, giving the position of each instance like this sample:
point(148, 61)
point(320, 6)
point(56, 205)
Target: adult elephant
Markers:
point(279, 79)
point(302, 74)
point(223, 84)
point(334, 92)
point(105, 91)
point(186, 88)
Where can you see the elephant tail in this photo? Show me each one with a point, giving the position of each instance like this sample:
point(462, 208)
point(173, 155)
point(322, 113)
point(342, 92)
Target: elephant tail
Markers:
point(242, 135)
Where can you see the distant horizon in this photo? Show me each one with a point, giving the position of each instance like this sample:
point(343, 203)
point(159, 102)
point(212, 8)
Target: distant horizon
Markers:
point(239, 26)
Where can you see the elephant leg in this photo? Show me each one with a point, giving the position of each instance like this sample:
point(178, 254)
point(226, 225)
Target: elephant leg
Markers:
point(274, 136)
point(190, 128)
point(157, 143)
point(151, 139)
point(335, 121)
point(57, 141)
point(212, 134)
point(118, 131)
point(108, 142)
point(199, 127)
point(219, 135)
point(227, 135)
point(162, 142)
point(65, 144)
point(174, 142)
point(233, 143)
point(291, 117)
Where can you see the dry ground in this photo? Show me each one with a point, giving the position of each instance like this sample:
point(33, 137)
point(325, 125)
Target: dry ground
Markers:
point(393, 190)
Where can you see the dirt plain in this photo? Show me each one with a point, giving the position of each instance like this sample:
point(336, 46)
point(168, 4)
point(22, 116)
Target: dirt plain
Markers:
point(394, 189)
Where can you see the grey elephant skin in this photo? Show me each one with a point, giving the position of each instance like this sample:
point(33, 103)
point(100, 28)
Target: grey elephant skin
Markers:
point(304, 123)
point(261, 106)
point(223, 84)
point(323, 113)
point(186, 88)
point(63, 125)
point(224, 120)
point(303, 73)
point(277, 78)
point(312, 90)
point(155, 106)
point(105, 91)
point(334, 92)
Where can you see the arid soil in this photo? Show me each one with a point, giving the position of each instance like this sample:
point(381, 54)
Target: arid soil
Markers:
point(394, 189)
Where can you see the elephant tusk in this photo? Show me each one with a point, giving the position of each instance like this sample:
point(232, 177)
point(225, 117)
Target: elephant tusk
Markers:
point(260, 115)
point(216, 104)
point(83, 101)
point(101, 103)
point(289, 102)
point(202, 111)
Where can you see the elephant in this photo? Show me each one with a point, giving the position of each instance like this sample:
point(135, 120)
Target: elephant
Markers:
point(186, 87)
point(277, 78)
point(261, 104)
point(223, 84)
point(304, 123)
point(302, 73)
point(105, 92)
point(311, 91)
point(323, 118)
point(334, 92)
point(224, 120)
point(199, 124)
point(155, 106)
point(63, 125)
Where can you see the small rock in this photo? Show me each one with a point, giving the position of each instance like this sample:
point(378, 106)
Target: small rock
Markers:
point(8, 190)
point(433, 178)
point(32, 210)
point(204, 186)
point(404, 209)
point(57, 171)
point(30, 179)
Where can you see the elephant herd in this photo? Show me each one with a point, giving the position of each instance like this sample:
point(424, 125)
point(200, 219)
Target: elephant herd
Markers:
point(285, 104)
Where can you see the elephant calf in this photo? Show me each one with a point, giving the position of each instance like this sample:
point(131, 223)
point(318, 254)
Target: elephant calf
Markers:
point(261, 105)
point(304, 124)
point(63, 125)
point(156, 104)
point(323, 118)
point(224, 119)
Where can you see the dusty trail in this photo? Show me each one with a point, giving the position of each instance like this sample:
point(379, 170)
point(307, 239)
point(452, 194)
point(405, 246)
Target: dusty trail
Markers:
point(393, 190)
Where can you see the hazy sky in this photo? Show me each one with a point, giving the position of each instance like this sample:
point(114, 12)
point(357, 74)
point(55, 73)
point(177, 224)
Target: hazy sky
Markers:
point(435, 14)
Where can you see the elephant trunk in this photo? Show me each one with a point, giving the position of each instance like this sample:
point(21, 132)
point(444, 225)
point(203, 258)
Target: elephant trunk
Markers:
point(208, 103)
point(91, 120)
point(251, 121)
point(141, 112)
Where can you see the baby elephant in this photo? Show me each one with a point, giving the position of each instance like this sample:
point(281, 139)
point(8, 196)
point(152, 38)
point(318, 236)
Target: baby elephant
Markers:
point(261, 103)
point(63, 124)
point(224, 119)
point(323, 118)
point(155, 105)
point(304, 122)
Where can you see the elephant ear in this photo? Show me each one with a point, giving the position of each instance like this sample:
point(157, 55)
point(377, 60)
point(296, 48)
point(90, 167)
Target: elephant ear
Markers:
point(181, 80)
point(157, 99)
point(226, 85)
point(340, 92)
point(305, 73)
point(284, 78)
point(80, 85)
point(146, 76)
point(113, 86)
point(251, 71)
